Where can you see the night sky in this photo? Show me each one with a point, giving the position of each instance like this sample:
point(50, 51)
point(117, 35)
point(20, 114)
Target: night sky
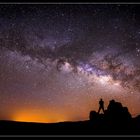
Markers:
point(58, 60)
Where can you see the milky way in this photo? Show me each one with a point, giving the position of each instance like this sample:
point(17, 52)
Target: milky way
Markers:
point(58, 60)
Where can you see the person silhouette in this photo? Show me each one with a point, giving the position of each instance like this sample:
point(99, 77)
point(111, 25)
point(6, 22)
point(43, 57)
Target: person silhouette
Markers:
point(101, 105)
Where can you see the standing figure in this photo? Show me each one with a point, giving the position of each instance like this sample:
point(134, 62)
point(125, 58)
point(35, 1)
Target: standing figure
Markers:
point(101, 105)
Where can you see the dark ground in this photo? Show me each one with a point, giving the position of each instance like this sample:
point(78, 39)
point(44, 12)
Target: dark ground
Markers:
point(67, 128)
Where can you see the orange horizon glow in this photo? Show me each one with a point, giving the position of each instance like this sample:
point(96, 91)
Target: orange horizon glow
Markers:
point(30, 116)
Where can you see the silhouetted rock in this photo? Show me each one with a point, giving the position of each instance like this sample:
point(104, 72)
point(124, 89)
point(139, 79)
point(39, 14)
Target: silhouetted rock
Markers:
point(136, 122)
point(116, 112)
point(93, 116)
point(115, 117)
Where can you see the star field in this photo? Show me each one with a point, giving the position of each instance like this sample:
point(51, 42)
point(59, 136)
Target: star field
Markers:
point(58, 60)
